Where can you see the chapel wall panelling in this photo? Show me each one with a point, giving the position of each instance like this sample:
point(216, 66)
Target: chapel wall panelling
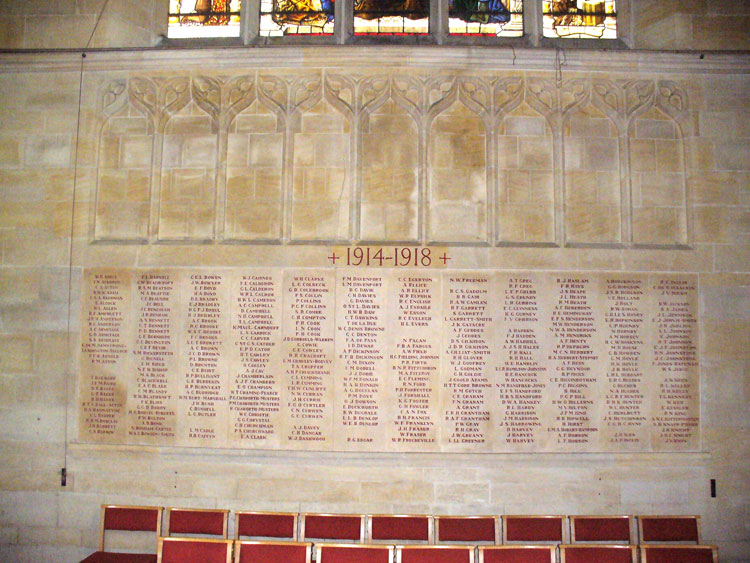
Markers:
point(387, 158)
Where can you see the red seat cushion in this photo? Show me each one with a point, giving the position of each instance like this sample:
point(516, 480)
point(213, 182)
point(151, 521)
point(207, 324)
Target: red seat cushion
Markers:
point(533, 529)
point(602, 529)
point(333, 527)
point(196, 522)
point(339, 554)
point(108, 557)
point(692, 554)
point(598, 555)
point(266, 525)
point(435, 555)
point(264, 553)
point(669, 529)
point(194, 550)
point(518, 555)
point(401, 528)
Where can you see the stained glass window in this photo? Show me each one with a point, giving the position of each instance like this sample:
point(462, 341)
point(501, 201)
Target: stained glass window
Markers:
point(501, 18)
point(580, 19)
point(204, 18)
point(296, 17)
point(391, 17)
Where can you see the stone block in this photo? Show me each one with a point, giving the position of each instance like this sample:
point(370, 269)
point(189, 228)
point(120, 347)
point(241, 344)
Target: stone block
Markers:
point(47, 151)
point(669, 156)
point(535, 153)
point(525, 126)
point(714, 224)
point(658, 225)
point(17, 355)
point(507, 152)
point(397, 490)
point(266, 150)
point(136, 151)
point(10, 152)
point(714, 188)
point(733, 155)
point(592, 224)
point(18, 286)
point(28, 509)
point(601, 153)
point(458, 222)
point(255, 123)
point(256, 221)
point(655, 129)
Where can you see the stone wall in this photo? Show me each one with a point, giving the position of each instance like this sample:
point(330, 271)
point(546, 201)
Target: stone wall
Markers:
point(649, 24)
point(672, 181)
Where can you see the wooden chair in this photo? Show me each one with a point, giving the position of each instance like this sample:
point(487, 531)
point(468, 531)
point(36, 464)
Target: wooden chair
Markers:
point(679, 554)
point(399, 528)
point(128, 519)
point(336, 527)
point(196, 521)
point(580, 553)
point(667, 529)
point(270, 551)
point(467, 529)
point(534, 529)
point(605, 529)
point(262, 525)
point(435, 554)
point(517, 554)
point(353, 553)
point(194, 550)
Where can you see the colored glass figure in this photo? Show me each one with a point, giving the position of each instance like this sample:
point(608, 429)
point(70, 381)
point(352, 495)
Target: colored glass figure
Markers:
point(580, 19)
point(391, 17)
point(503, 18)
point(204, 18)
point(296, 17)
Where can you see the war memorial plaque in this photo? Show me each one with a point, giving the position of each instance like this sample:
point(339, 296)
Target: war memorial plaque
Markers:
point(386, 359)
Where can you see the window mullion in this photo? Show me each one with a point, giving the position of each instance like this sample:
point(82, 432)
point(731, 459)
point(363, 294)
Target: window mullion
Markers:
point(532, 21)
point(250, 21)
point(439, 20)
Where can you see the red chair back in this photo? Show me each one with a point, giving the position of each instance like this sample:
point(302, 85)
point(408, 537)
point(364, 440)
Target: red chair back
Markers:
point(659, 529)
point(517, 554)
point(531, 529)
point(265, 552)
point(130, 519)
point(266, 525)
point(194, 550)
point(473, 529)
point(337, 553)
point(333, 526)
point(193, 521)
point(614, 529)
point(386, 527)
point(597, 554)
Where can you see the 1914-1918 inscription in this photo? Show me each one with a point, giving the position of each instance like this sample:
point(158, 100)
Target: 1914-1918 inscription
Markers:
point(390, 359)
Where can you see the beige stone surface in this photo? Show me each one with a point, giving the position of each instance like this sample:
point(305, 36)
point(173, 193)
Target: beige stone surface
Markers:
point(40, 521)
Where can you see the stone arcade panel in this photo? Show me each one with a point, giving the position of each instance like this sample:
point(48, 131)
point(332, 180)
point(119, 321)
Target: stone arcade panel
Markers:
point(390, 359)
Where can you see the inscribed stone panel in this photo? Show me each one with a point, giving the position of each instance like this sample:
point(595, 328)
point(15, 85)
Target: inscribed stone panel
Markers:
point(592, 178)
point(658, 180)
point(255, 151)
point(458, 177)
point(389, 171)
point(526, 193)
point(187, 200)
point(123, 191)
point(321, 176)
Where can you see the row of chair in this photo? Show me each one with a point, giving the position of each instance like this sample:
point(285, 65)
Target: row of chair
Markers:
point(187, 550)
point(401, 529)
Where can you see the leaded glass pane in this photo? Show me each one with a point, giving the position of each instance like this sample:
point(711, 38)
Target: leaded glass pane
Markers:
point(502, 18)
point(296, 17)
point(391, 17)
point(204, 18)
point(580, 19)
